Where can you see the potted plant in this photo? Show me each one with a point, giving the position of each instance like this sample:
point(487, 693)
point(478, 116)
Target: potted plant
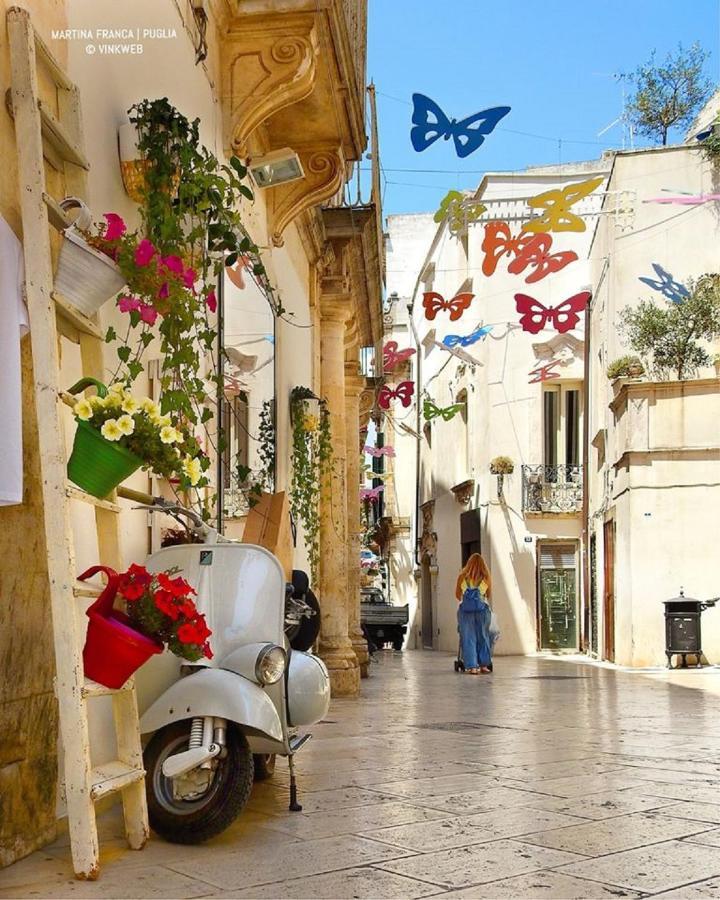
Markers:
point(311, 463)
point(86, 275)
point(158, 611)
point(625, 367)
point(118, 433)
point(502, 465)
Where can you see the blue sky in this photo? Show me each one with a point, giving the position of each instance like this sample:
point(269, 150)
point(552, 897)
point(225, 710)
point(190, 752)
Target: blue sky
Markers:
point(551, 61)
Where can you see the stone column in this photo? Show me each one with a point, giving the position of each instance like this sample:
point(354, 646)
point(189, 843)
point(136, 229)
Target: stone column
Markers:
point(336, 648)
point(354, 386)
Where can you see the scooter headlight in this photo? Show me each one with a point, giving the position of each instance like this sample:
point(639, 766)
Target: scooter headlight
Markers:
point(270, 664)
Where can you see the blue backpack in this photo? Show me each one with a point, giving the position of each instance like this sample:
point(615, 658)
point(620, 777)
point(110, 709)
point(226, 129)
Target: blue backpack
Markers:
point(472, 600)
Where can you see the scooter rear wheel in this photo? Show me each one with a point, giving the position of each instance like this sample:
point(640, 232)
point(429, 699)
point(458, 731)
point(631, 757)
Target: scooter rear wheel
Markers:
point(194, 819)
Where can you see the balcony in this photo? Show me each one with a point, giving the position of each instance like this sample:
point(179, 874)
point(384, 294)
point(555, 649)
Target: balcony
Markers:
point(552, 490)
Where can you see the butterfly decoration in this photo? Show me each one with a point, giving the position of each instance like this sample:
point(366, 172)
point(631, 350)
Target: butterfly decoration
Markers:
point(430, 124)
point(672, 290)
point(556, 205)
point(393, 357)
point(545, 372)
point(453, 340)
point(433, 303)
point(528, 250)
point(403, 392)
point(371, 494)
point(457, 214)
point(685, 199)
point(564, 317)
point(377, 452)
point(235, 273)
point(431, 410)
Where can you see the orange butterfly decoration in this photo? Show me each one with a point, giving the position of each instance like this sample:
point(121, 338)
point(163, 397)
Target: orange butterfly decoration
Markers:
point(433, 303)
point(528, 250)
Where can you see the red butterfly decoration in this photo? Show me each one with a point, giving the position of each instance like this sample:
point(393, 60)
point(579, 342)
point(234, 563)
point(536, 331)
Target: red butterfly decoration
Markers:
point(393, 357)
point(403, 392)
point(543, 373)
point(528, 250)
point(564, 317)
point(433, 303)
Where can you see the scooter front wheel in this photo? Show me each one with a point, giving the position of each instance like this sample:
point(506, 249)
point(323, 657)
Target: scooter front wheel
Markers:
point(203, 802)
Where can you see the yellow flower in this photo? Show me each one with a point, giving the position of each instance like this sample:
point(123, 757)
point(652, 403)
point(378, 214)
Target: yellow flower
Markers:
point(191, 467)
point(310, 423)
point(83, 409)
point(112, 401)
point(97, 402)
point(110, 430)
point(168, 434)
point(149, 406)
point(126, 424)
point(130, 404)
point(160, 421)
point(117, 389)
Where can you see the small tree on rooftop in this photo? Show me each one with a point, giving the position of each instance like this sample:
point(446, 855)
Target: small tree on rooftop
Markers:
point(667, 336)
point(667, 94)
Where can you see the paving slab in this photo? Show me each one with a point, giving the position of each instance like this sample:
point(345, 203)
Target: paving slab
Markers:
point(553, 885)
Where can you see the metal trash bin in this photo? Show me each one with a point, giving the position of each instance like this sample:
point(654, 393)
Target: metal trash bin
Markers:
point(683, 635)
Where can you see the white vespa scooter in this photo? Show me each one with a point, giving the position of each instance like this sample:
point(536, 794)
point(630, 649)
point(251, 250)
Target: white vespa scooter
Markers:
point(219, 723)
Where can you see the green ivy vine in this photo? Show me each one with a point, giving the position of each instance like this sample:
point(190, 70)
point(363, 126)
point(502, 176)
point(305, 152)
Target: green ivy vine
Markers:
point(311, 464)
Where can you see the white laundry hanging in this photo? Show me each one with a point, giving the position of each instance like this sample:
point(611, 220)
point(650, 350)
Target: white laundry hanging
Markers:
point(13, 325)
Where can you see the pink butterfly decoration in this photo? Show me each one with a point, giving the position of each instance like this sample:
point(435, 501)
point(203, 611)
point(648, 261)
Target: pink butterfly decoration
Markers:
point(403, 392)
point(564, 317)
point(379, 451)
point(685, 199)
point(543, 373)
point(371, 494)
point(393, 357)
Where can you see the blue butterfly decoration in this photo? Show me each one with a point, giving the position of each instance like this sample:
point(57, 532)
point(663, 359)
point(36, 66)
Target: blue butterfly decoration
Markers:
point(453, 340)
point(430, 124)
point(672, 290)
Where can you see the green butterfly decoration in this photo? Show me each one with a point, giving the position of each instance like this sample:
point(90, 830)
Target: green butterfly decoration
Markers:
point(431, 410)
point(457, 216)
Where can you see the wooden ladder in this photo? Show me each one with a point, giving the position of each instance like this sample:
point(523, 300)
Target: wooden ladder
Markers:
point(39, 133)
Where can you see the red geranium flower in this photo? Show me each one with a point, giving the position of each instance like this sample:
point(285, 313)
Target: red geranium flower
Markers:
point(187, 608)
point(207, 652)
point(178, 587)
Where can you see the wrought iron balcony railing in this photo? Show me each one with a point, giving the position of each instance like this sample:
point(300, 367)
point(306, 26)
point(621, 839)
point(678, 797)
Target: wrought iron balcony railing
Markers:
point(552, 489)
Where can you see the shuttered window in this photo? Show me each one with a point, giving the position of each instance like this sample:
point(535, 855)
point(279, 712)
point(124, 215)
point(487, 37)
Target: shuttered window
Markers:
point(557, 556)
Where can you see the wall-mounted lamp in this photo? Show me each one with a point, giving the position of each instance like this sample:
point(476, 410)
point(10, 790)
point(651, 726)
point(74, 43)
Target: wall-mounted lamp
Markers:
point(278, 167)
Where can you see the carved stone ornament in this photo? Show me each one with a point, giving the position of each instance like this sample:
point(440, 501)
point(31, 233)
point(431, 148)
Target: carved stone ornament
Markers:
point(269, 65)
point(324, 174)
point(463, 492)
point(428, 538)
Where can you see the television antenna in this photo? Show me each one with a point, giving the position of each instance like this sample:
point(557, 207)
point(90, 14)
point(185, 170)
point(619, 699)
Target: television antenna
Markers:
point(628, 135)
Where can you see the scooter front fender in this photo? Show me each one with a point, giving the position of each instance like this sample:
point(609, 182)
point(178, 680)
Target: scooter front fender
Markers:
point(215, 692)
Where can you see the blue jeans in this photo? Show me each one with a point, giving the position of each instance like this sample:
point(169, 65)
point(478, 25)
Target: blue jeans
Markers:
point(474, 628)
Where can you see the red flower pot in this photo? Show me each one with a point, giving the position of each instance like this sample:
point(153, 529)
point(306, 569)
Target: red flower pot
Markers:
point(113, 650)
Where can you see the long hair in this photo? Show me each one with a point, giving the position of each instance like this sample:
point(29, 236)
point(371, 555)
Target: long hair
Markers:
point(473, 572)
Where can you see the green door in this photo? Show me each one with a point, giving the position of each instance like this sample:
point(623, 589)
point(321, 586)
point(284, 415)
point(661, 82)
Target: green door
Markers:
point(558, 600)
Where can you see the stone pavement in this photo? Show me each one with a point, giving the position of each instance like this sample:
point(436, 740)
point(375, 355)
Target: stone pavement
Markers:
point(547, 779)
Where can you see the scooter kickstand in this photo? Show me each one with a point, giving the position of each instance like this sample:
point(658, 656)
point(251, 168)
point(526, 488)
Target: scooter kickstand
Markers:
point(294, 805)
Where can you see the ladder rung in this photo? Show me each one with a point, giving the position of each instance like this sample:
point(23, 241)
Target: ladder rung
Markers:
point(87, 590)
point(56, 135)
point(51, 64)
point(93, 689)
point(58, 217)
point(74, 493)
point(75, 317)
point(111, 777)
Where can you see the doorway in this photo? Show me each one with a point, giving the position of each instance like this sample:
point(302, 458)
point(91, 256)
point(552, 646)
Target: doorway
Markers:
point(609, 592)
point(426, 632)
point(558, 596)
point(469, 534)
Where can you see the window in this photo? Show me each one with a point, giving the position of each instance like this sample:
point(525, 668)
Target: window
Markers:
point(561, 425)
point(236, 450)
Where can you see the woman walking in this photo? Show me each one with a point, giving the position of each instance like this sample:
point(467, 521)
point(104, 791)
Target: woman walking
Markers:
point(474, 614)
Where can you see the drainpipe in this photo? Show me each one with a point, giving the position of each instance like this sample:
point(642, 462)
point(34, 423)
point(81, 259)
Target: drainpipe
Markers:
point(585, 533)
point(220, 292)
point(418, 377)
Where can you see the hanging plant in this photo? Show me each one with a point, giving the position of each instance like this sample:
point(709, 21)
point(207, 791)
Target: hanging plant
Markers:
point(254, 483)
point(311, 463)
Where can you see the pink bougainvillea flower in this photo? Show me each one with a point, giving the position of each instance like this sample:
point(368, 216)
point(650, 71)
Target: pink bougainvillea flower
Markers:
point(128, 304)
point(144, 252)
point(148, 314)
point(116, 228)
point(211, 301)
point(164, 291)
point(189, 277)
point(173, 264)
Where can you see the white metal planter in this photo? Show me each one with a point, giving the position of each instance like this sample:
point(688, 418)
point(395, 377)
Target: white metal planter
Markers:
point(85, 277)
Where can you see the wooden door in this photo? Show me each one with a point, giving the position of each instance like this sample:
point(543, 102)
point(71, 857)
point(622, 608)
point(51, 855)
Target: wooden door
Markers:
point(609, 592)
